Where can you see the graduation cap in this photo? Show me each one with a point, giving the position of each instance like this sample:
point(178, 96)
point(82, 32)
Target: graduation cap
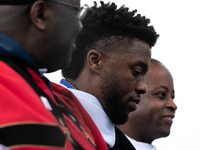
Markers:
point(16, 2)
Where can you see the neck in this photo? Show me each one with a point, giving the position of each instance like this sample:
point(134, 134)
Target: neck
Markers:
point(72, 82)
point(136, 133)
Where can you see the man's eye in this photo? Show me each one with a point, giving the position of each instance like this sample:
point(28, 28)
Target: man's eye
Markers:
point(161, 95)
point(136, 73)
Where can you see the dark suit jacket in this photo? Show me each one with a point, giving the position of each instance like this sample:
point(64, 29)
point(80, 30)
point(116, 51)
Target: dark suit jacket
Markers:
point(122, 143)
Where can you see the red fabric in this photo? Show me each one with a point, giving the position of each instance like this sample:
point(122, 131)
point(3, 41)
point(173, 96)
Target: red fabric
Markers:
point(72, 102)
point(18, 101)
point(20, 104)
point(41, 83)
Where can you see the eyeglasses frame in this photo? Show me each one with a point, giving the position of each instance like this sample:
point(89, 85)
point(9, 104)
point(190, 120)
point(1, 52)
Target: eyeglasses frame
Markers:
point(82, 10)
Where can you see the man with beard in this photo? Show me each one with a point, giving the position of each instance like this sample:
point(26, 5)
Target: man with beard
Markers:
point(107, 69)
point(154, 115)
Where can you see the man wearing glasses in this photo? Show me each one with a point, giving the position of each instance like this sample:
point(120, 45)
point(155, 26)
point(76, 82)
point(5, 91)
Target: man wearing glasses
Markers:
point(37, 36)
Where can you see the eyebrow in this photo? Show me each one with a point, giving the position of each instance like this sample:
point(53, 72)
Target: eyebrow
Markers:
point(164, 87)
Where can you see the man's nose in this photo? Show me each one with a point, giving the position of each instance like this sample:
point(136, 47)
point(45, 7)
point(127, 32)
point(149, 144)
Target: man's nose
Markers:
point(141, 87)
point(171, 105)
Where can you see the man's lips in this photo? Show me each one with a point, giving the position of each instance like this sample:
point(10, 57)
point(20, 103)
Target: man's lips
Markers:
point(132, 102)
point(136, 100)
point(168, 118)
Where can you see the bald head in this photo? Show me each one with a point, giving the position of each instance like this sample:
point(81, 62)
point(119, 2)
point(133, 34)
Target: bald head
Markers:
point(43, 29)
point(157, 73)
point(12, 17)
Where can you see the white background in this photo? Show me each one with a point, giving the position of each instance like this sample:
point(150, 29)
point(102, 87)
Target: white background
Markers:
point(178, 23)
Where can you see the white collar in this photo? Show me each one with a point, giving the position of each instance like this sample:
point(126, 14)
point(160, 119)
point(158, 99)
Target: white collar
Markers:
point(141, 145)
point(3, 147)
point(96, 112)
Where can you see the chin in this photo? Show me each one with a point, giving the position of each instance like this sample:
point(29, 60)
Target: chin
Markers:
point(119, 119)
point(164, 133)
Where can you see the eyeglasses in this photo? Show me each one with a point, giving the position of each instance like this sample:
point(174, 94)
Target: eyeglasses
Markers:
point(82, 10)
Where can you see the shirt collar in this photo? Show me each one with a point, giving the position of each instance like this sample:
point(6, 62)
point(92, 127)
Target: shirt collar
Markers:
point(141, 145)
point(66, 84)
point(96, 112)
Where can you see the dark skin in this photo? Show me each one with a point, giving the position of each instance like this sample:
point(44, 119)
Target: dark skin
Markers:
point(154, 115)
point(47, 38)
point(106, 75)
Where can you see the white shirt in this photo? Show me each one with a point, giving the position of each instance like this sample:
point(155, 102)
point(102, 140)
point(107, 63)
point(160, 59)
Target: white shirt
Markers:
point(3, 147)
point(96, 112)
point(141, 145)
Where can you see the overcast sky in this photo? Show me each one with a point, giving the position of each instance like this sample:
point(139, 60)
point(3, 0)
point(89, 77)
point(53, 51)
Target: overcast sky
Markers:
point(178, 23)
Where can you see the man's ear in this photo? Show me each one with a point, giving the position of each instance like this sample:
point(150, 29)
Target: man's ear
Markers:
point(38, 14)
point(94, 61)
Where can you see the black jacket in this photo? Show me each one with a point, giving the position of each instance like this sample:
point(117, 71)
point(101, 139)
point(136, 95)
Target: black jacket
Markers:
point(122, 143)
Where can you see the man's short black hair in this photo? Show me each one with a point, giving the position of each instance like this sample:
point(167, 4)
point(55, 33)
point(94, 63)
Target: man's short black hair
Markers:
point(105, 22)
